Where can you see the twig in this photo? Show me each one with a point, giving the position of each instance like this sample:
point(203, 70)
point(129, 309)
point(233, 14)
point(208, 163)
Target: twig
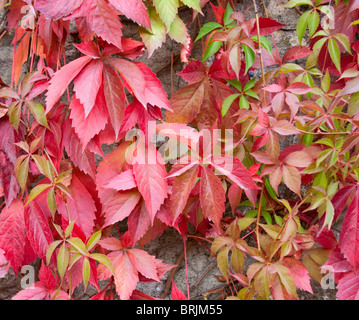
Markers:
point(168, 284)
point(209, 269)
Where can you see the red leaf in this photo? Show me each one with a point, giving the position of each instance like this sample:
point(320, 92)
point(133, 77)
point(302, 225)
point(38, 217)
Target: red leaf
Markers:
point(118, 205)
point(35, 292)
point(234, 170)
point(218, 13)
point(195, 71)
point(138, 222)
point(37, 228)
point(284, 128)
point(299, 88)
point(212, 196)
point(8, 183)
point(176, 293)
point(274, 88)
point(291, 178)
point(62, 78)
point(144, 263)
point(154, 92)
point(299, 159)
point(181, 189)
point(234, 196)
point(88, 48)
point(296, 52)
point(186, 103)
point(105, 22)
point(46, 277)
point(83, 159)
point(348, 286)
point(88, 128)
point(133, 9)
point(150, 175)
point(12, 233)
point(81, 207)
point(87, 84)
point(115, 97)
point(124, 181)
point(349, 234)
point(266, 26)
point(56, 9)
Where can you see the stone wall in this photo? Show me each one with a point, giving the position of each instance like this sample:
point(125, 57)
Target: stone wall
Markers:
point(169, 246)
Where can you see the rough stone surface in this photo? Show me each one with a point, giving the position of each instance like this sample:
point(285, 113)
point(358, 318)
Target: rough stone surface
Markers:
point(170, 245)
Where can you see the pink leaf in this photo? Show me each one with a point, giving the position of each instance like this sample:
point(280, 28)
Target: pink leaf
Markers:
point(133, 9)
point(296, 52)
point(37, 228)
point(62, 78)
point(56, 9)
point(195, 71)
point(176, 293)
point(349, 234)
point(299, 88)
point(12, 234)
point(105, 23)
point(266, 26)
point(87, 84)
point(150, 175)
point(212, 196)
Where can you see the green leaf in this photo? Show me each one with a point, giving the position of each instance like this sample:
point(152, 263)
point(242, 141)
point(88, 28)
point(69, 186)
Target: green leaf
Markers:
point(93, 240)
point(334, 53)
point(86, 270)
point(194, 4)
point(167, 10)
point(343, 39)
point(78, 244)
point(264, 43)
point(38, 112)
point(104, 260)
point(243, 102)
point(62, 260)
point(252, 94)
point(222, 261)
point(36, 191)
point(235, 83)
point(178, 31)
point(308, 139)
point(295, 3)
point(50, 250)
point(267, 217)
point(212, 49)
point(249, 56)
point(237, 260)
point(270, 189)
point(329, 214)
point(207, 28)
point(22, 173)
point(302, 25)
point(286, 279)
point(249, 85)
point(313, 22)
point(51, 201)
point(227, 13)
point(245, 222)
point(228, 102)
point(153, 38)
